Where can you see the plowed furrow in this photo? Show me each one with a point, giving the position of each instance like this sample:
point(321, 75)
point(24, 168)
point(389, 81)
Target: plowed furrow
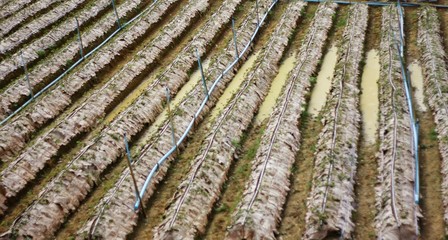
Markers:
point(436, 85)
point(85, 116)
point(11, 67)
point(10, 24)
point(4, 2)
point(397, 212)
point(187, 214)
point(10, 8)
point(37, 26)
point(16, 133)
point(71, 186)
point(44, 73)
point(115, 206)
point(331, 200)
point(258, 213)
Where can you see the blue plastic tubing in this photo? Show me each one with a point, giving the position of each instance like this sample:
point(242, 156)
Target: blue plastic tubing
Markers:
point(77, 63)
point(196, 115)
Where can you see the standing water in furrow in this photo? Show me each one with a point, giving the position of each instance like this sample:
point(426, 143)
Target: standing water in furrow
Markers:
point(234, 85)
point(114, 215)
point(63, 194)
point(15, 133)
point(416, 77)
point(435, 71)
point(397, 213)
point(369, 97)
point(86, 116)
point(277, 85)
point(195, 77)
point(259, 211)
point(323, 82)
point(331, 201)
point(186, 216)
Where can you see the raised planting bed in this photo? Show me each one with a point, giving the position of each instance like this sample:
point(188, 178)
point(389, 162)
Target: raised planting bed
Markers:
point(435, 72)
point(8, 25)
point(31, 29)
point(259, 211)
point(11, 66)
point(187, 215)
point(331, 200)
point(397, 213)
point(11, 7)
point(64, 193)
point(86, 116)
point(41, 75)
point(16, 133)
point(118, 200)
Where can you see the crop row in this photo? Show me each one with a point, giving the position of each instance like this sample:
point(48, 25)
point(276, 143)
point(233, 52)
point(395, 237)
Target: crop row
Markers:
point(65, 192)
point(18, 92)
point(186, 217)
point(259, 211)
point(331, 201)
point(84, 117)
point(31, 29)
point(397, 213)
point(436, 85)
point(4, 2)
point(10, 8)
point(120, 198)
point(17, 19)
point(17, 132)
point(12, 66)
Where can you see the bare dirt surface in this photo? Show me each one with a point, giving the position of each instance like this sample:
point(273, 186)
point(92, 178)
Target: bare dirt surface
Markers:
point(432, 224)
point(293, 223)
point(33, 155)
point(365, 195)
point(233, 189)
point(367, 164)
point(157, 205)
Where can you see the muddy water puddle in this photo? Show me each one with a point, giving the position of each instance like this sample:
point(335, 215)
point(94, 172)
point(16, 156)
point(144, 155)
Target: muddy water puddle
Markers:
point(369, 97)
point(234, 85)
point(195, 78)
point(274, 92)
point(129, 99)
point(417, 85)
point(323, 82)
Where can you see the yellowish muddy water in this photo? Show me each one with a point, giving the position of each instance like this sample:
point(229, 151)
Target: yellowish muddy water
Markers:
point(274, 92)
point(195, 78)
point(323, 82)
point(232, 88)
point(417, 84)
point(369, 97)
point(129, 99)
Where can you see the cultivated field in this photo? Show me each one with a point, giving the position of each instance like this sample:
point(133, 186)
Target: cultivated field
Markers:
point(225, 119)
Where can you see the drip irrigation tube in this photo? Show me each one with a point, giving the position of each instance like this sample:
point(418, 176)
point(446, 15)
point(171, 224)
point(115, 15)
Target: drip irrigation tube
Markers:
point(121, 27)
point(413, 122)
point(196, 115)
